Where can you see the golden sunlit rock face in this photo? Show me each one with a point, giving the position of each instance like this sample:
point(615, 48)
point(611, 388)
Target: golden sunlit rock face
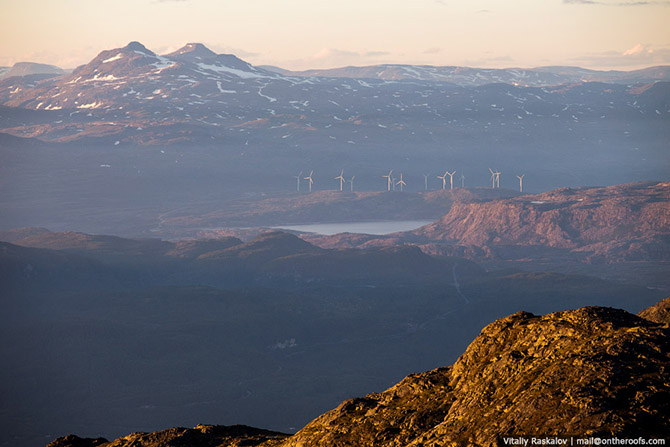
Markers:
point(593, 371)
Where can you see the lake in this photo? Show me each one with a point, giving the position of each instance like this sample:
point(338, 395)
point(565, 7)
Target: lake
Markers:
point(377, 228)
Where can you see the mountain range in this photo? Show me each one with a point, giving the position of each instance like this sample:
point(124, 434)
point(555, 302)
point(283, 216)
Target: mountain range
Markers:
point(195, 95)
point(148, 135)
point(470, 77)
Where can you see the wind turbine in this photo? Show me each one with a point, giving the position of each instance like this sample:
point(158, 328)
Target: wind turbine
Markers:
point(521, 182)
point(401, 182)
point(297, 178)
point(352, 182)
point(493, 179)
point(451, 178)
point(425, 182)
point(497, 179)
point(444, 180)
point(310, 180)
point(388, 177)
point(462, 181)
point(340, 178)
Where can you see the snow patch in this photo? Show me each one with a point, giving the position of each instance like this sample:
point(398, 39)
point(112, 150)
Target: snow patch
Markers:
point(228, 70)
point(162, 63)
point(97, 77)
point(269, 98)
point(114, 58)
point(222, 90)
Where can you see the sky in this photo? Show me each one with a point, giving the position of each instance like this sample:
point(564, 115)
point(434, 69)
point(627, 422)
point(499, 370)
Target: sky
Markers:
point(304, 34)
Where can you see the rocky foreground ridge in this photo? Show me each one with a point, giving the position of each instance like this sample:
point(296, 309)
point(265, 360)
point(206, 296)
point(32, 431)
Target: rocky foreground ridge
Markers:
point(591, 371)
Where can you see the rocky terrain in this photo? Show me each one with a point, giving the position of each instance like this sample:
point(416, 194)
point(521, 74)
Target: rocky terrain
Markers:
point(588, 372)
point(659, 312)
point(596, 229)
point(624, 222)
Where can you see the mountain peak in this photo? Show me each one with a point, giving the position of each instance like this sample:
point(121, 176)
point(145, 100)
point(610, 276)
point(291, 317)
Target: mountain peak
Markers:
point(196, 50)
point(136, 46)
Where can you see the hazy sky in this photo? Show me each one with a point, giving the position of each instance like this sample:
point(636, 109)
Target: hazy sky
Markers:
point(301, 34)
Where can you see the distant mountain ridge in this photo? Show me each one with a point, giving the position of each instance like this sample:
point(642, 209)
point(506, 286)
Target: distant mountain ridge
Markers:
point(132, 94)
point(471, 77)
point(31, 68)
point(620, 223)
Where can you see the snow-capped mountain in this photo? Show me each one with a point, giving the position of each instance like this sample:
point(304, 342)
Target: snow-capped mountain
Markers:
point(133, 72)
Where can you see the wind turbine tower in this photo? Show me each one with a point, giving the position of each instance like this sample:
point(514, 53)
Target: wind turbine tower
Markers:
point(497, 179)
point(451, 178)
point(388, 178)
point(352, 182)
point(310, 180)
point(493, 179)
point(341, 179)
point(444, 180)
point(401, 182)
point(298, 178)
point(462, 181)
point(521, 181)
point(425, 182)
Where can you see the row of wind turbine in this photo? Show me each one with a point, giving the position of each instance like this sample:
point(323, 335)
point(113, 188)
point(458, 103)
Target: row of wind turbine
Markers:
point(392, 182)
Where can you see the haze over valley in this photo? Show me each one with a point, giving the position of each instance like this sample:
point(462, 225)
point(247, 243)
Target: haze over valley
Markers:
point(166, 259)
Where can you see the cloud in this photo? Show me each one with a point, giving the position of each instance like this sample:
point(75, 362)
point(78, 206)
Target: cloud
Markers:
point(639, 55)
point(637, 49)
point(433, 50)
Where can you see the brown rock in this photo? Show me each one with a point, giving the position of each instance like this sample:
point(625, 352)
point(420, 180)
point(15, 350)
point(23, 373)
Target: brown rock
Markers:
point(659, 312)
point(591, 371)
